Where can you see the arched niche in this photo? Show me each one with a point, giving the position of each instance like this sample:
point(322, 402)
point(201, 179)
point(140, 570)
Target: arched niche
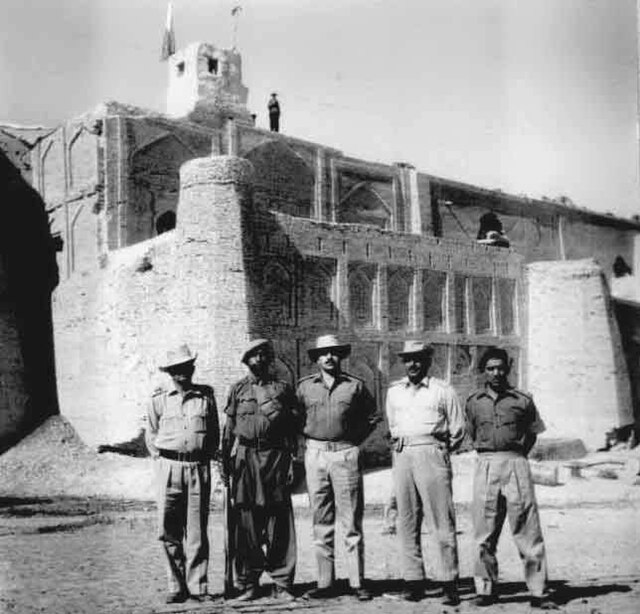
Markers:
point(283, 181)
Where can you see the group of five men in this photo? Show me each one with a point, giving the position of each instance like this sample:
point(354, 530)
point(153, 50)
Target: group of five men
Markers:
point(335, 413)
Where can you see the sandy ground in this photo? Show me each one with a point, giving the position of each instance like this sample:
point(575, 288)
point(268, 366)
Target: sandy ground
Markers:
point(77, 534)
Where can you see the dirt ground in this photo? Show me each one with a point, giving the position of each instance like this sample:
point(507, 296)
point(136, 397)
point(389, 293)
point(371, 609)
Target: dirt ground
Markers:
point(78, 535)
point(73, 555)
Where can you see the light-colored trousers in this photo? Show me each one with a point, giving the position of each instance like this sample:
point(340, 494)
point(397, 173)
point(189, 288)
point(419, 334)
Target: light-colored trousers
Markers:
point(334, 482)
point(503, 487)
point(183, 512)
point(422, 478)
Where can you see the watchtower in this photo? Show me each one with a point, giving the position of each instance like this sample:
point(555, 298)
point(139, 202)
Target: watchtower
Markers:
point(205, 85)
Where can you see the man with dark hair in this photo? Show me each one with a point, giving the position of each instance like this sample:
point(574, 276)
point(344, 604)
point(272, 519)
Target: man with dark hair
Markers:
point(503, 424)
point(182, 434)
point(274, 113)
point(426, 423)
point(258, 446)
point(339, 413)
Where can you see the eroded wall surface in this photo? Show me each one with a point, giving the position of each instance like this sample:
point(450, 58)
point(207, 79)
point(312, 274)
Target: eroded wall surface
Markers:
point(576, 364)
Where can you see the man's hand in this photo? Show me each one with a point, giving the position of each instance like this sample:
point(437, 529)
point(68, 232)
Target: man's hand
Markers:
point(291, 475)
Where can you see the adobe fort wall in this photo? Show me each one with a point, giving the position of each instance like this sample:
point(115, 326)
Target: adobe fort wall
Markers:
point(233, 270)
point(576, 366)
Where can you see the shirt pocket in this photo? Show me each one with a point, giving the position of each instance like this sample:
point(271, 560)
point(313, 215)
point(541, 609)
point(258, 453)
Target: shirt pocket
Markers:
point(271, 408)
point(198, 420)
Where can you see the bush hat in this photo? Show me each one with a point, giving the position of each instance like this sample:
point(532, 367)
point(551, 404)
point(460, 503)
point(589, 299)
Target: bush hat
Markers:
point(327, 342)
point(180, 355)
point(416, 347)
point(253, 346)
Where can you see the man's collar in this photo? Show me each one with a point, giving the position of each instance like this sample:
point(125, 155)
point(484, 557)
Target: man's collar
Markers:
point(492, 394)
point(254, 379)
point(423, 382)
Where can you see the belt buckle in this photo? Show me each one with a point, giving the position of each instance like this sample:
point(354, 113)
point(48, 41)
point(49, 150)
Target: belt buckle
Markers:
point(333, 446)
point(183, 457)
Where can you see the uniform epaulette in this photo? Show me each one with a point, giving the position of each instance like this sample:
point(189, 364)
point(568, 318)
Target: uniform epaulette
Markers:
point(473, 394)
point(353, 376)
point(158, 391)
point(306, 377)
point(527, 394)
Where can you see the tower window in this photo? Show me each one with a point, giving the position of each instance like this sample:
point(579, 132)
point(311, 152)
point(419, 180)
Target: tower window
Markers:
point(212, 65)
point(180, 68)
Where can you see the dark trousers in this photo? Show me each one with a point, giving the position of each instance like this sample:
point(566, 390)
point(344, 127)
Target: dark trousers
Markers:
point(265, 540)
point(274, 122)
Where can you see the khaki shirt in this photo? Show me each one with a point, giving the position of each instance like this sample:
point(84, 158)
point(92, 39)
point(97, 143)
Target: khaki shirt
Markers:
point(186, 423)
point(431, 407)
point(502, 422)
point(345, 412)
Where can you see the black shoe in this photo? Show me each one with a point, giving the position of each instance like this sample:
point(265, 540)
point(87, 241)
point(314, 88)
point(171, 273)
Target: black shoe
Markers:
point(450, 592)
point(543, 603)
point(326, 592)
point(484, 601)
point(361, 593)
point(282, 594)
point(413, 591)
point(202, 598)
point(179, 597)
point(247, 594)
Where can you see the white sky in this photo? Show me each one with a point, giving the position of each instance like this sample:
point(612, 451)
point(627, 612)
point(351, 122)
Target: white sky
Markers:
point(531, 96)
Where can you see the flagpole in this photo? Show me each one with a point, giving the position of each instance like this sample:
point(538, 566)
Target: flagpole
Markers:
point(169, 39)
point(235, 14)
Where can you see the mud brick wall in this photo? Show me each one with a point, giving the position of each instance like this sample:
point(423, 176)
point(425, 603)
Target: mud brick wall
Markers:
point(576, 365)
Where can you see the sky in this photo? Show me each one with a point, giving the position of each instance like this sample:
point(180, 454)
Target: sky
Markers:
point(534, 97)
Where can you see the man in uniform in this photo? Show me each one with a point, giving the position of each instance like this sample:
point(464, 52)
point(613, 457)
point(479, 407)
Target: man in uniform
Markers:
point(259, 444)
point(182, 434)
point(274, 113)
point(503, 424)
point(426, 423)
point(338, 414)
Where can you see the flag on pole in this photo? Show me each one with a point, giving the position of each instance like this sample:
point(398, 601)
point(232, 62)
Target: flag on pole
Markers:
point(169, 39)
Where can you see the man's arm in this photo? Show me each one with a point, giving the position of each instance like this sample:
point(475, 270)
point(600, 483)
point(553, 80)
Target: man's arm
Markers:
point(228, 434)
point(455, 419)
point(536, 427)
point(371, 417)
point(152, 423)
point(213, 426)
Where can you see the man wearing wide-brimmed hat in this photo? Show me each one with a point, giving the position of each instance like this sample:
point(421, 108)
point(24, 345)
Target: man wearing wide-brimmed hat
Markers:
point(338, 415)
point(182, 434)
point(426, 423)
point(258, 446)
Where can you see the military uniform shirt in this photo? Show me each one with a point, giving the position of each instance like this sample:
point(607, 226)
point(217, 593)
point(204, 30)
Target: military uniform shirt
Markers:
point(263, 412)
point(503, 422)
point(345, 412)
point(429, 408)
point(186, 423)
point(261, 421)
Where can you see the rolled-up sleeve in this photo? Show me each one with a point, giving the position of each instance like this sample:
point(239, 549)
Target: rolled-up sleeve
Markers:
point(455, 418)
point(152, 423)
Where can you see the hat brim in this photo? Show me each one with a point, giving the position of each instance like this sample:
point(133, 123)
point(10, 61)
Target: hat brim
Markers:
point(254, 349)
point(165, 368)
point(342, 350)
point(425, 352)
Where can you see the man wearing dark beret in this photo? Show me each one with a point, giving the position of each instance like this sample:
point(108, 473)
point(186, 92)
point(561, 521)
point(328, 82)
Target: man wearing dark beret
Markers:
point(259, 444)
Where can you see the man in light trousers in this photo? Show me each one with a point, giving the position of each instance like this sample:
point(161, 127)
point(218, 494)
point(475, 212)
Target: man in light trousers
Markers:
point(503, 424)
point(338, 414)
point(426, 423)
point(182, 434)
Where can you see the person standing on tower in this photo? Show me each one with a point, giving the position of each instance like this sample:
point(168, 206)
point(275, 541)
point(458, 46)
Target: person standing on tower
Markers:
point(274, 113)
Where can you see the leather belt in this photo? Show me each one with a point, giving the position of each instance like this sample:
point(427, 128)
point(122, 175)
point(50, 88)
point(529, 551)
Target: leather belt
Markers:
point(185, 457)
point(329, 446)
point(259, 444)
